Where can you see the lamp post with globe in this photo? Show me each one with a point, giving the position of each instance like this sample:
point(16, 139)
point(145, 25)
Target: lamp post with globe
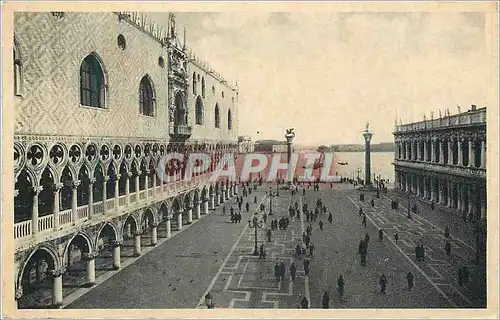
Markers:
point(254, 223)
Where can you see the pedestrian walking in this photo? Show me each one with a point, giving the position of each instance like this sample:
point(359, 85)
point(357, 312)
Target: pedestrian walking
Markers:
point(396, 237)
point(364, 220)
point(269, 235)
point(293, 270)
point(447, 232)
point(447, 248)
point(262, 253)
point(340, 285)
point(360, 211)
point(409, 279)
point(326, 301)
point(383, 283)
point(373, 203)
point(304, 193)
point(330, 217)
point(380, 234)
point(311, 250)
point(255, 199)
point(321, 225)
point(304, 303)
point(247, 206)
point(367, 239)
point(265, 218)
point(306, 266)
point(297, 250)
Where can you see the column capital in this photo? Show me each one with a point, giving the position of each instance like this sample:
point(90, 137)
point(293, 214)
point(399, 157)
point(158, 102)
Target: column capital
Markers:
point(92, 180)
point(137, 233)
point(57, 186)
point(154, 224)
point(76, 183)
point(139, 173)
point(116, 243)
point(16, 192)
point(89, 256)
point(37, 189)
point(55, 273)
point(129, 174)
point(106, 178)
point(118, 176)
point(19, 292)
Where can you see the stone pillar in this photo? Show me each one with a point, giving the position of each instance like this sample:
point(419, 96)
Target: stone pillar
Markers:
point(127, 188)
point(441, 150)
point(470, 197)
point(418, 150)
point(205, 206)
point(90, 259)
point(450, 151)
point(459, 197)
point(154, 234)
point(74, 200)
point(137, 243)
point(117, 255)
point(483, 203)
point(217, 199)
point(236, 188)
point(117, 191)
point(57, 292)
point(55, 205)
point(449, 203)
point(223, 196)
point(168, 227)
point(179, 220)
point(471, 154)
point(460, 152)
point(425, 149)
point(104, 194)
point(154, 185)
point(367, 136)
point(189, 214)
point(198, 209)
point(34, 211)
point(483, 154)
point(91, 197)
point(433, 150)
point(146, 184)
point(441, 191)
point(137, 186)
point(212, 201)
point(433, 188)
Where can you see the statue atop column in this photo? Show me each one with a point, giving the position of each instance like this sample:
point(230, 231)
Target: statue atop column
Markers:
point(367, 135)
point(289, 137)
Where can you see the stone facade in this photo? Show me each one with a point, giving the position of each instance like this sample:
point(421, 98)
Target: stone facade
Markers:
point(444, 161)
point(90, 178)
point(245, 144)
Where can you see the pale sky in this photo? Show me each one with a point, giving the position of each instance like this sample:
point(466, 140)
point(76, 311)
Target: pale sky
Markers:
point(326, 74)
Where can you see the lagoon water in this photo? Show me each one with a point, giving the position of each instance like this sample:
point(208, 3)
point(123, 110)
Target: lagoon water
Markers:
point(381, 164)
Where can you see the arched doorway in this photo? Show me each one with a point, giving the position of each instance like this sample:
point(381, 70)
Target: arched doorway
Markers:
point(77, 257)
point(130, 228)
point(148, 223)
point(180, 110)
point(163, 217)
point(107, 249)
point(36, 282)
point(176, 211)
point(23, 202)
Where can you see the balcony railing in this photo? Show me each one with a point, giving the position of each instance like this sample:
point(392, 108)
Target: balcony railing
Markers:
point(24, 229)
point(181, 130)
point(443, 168)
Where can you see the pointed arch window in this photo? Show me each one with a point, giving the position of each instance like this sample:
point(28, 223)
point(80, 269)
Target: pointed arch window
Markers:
point(92, 83)
point(146, 97)
point(199, 111)
point(17, 72)
point(203, 87)
point(194, 84)
point(229, 120)
point(217, 116)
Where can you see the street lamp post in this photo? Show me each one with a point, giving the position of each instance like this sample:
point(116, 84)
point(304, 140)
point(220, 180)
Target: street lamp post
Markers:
point(270, 202)
point(254, 223)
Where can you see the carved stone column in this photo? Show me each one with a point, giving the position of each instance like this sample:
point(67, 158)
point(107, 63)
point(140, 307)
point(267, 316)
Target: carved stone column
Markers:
point(198, 209)
point(212, 201)
point(441, 150)
point(154, 234)
point(459, 197)
point(450, 151)
point(34, 212)
point(56, 188)
point(433, 150)
point(470, 197)
point(441, 191)
point(217, 199)
point(154, 184)
point(168, 227)
point(74, 200)
point(433, 188)
point(127, 188)
point(179, 220)
point(146, 183)
point(418, 150)
point(471, 153)
point(425, 149)
point(91, 197)
point(449, 203)
point(104, 194)
point(117, 191)
point(117, 255)
point(57, 292)
point(137, 243)
point(205, 206)
point(189, 214)
point(483, 153)
point(137, 198)
point(460, 152)
point(90, 259)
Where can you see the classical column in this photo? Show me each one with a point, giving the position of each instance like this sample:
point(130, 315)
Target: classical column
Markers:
point(34, 212)
point(450, 151)
point(433, 150)
point(104, 194)
point(91, 196)
point(205, 206)
point(441, 191)
point(449, 203)
point(117, 190)
point(90, 259)
point(168, 227)
point(179, 220)
point(127, 188)
point(469, 198)
point(137, 186)
point(236, 187)
point(223, 195)
point(154, 184)
point(217, 199)
point(433, 188)
point(212, 201)
point(459, 197)
point(483, 153)
point(471, 154)
point(189, 214)
point(146, 183)
point(137, 243)
point(154, 234)
point(55, 205)
point(418, 149)
point(117, 255)
point(198, 209)
point(460, 152)
point(441, 150)
point(57, 292)
point(74, 200)
point(425, 150)
point(367, 135)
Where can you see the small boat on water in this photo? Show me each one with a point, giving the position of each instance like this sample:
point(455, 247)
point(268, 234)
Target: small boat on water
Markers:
point(343, 163)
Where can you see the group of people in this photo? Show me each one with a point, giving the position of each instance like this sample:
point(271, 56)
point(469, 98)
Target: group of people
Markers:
point(281, 224)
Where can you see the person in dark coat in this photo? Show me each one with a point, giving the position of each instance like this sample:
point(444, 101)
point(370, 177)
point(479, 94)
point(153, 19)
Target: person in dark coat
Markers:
point(304, 303)
point(306, 266)
point(396, 237)
point(239, 205)
point(330, 217)
point(326, 301)
point(224, 210)
point(293, 270)
point(373, 203)
point(282, 271)
point(361, 246)
point(311, 249)
point(247, 206)
point(409, 279)
point(297, 250)
point(277, 271)
point(262, 253)
point(380, 234)
point(269, 235)
point(383, 283)
point(340, 285)
point(447, 232)
point(304, 193)
point(367, 239)
point(447, 248)
point(321, 225)
point(360, 211)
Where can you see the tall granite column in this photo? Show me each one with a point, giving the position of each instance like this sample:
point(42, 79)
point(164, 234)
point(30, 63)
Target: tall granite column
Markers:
point(368, 136)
